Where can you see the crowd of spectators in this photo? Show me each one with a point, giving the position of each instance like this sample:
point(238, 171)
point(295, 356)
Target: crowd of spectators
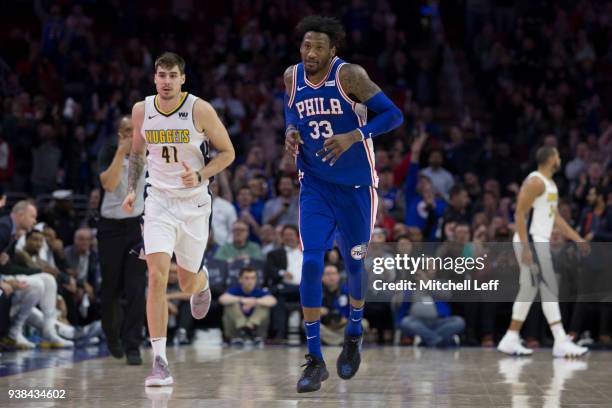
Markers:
point(544, 76)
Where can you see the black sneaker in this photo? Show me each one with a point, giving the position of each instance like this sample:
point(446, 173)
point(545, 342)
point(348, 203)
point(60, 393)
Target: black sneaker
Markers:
point(133, 357)
point(350, 357)
point(314, 374)
point(115, 347)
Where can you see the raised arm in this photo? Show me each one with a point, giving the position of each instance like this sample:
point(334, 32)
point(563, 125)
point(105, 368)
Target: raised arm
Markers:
point(110, 177)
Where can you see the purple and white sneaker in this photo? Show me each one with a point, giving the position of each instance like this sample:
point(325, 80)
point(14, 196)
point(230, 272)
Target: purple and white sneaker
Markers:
point(200, 302)
point(160, 375)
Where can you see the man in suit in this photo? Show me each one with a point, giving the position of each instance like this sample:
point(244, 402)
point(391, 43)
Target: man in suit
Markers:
point(83, 263)
point(21, 219)
point(283, 272)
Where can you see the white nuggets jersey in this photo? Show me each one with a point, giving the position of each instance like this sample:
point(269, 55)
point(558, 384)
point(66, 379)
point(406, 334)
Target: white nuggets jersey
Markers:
point(542, 217)
point(171, 139)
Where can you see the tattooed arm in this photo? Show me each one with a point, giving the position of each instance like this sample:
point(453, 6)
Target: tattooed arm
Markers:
point(358, 86)
point(356, 83)
point(137, 157)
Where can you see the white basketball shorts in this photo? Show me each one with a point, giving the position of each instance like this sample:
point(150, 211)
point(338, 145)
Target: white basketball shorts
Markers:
point(178, 222)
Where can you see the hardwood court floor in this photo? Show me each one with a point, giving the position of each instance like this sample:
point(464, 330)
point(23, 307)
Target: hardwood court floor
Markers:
point(208, 376)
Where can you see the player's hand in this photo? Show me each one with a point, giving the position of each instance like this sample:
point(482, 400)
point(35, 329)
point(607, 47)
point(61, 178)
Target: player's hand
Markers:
point(527, 257)
point(287, 276)
point(189, 176)
point(125, 145)
point(128, 202)
point(293, 141)
point(338, 144)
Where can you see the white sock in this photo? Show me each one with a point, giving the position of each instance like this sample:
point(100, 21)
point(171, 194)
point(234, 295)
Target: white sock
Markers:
point(558, 331)
point(159, 348)
point(512, 334)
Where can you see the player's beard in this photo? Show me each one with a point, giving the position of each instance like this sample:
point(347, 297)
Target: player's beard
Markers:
point(320, 67)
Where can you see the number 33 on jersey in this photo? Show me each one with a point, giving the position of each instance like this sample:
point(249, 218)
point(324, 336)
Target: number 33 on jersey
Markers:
point(172, 138)
point(324, 110)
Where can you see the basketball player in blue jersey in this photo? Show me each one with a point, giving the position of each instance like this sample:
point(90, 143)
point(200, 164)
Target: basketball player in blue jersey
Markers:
point(327, 131)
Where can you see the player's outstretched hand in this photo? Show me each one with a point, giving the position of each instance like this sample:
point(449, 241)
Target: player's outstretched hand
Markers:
point(128, 202)
point(293, 142)
point(338, 144)
point(189, 176)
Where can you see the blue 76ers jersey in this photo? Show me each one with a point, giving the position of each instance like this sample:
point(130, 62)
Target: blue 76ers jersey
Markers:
point(324, 110)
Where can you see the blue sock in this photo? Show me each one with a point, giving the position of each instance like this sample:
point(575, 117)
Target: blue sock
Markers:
point(353, 328)
point(313, 337)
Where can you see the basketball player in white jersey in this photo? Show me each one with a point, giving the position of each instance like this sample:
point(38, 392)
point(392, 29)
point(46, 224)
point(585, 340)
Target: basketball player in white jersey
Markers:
point(539, 194)
point(176, 128)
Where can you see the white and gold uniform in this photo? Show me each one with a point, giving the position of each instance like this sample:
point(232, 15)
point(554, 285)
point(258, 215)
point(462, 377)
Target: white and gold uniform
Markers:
point(539, 229)
point(176, 218)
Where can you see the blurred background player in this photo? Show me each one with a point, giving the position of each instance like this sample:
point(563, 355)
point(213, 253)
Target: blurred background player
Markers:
point(325, 115)
point(538, 197)
point(176, 128)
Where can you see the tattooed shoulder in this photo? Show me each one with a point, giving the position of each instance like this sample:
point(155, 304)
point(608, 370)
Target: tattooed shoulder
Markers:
point(356, 83)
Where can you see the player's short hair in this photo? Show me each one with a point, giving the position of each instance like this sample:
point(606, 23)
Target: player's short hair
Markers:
point(170, 60)
point(246, 269)
point(326, 25)
point(544, 153)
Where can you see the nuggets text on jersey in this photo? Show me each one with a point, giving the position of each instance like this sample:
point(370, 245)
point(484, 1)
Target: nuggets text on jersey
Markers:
point(167, 136)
